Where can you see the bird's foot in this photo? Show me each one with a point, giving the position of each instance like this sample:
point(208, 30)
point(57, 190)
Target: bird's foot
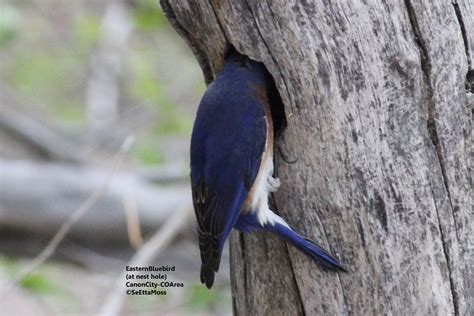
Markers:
point(273, 184)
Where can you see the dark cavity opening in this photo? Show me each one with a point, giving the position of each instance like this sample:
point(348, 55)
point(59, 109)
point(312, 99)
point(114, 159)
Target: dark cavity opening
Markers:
point(277, 108)
point(470, 81)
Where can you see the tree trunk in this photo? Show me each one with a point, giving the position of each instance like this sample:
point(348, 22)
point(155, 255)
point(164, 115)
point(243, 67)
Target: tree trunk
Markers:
point(379, 131)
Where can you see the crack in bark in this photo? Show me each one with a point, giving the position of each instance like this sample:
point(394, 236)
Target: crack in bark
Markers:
point(300, 297)
point(269, 52)
point(219, 24)
point(428, 98)
point(344, 298)
point(233, 280)
point(271, 55)
point(200, 55)
point(346, 305)
point(288, 161)
point(244, 267)
point(426, 67)
point(446, 255)
point(462, 27)
point(469, 82)
point(298, 290)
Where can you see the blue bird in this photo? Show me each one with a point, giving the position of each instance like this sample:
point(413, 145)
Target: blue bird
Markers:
point(232, 165)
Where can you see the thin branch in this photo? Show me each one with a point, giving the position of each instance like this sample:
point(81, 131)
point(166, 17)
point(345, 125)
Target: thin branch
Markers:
point(132, 217)
point(75, 216)
point(173, 172)
point(149, 251)
point(89, 258)
point(103, 88)
point(47, 140)
point(33, 202)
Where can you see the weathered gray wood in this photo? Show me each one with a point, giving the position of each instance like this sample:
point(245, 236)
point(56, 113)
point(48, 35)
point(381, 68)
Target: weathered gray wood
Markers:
point(198, 25)
point(379, 122)
point(465, 15)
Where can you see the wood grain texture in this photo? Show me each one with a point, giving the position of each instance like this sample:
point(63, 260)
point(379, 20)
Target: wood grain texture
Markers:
point(380, 126)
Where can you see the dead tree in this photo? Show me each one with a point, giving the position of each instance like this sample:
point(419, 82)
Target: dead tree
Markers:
point(374, 159)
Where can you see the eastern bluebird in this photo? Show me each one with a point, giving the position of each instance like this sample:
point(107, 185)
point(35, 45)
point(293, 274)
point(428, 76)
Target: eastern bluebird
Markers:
point(232, 165)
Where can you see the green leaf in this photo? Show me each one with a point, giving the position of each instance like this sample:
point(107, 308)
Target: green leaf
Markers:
point(35, 282)
point(38, 283)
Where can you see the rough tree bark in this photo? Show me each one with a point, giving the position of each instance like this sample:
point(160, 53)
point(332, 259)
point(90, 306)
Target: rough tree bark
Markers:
point(377, 97)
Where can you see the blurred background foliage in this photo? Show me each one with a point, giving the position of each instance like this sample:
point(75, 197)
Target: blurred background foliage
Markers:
point(58, 60)
point(46, 49)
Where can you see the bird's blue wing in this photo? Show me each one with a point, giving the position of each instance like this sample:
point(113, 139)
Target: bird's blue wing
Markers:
point(226, 148)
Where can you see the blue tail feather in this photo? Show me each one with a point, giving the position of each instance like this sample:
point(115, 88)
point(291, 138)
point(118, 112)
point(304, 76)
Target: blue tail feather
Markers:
point(249, 223)
point(308, 246)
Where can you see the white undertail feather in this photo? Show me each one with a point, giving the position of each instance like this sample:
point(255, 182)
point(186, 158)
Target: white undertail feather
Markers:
point(264, 184)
